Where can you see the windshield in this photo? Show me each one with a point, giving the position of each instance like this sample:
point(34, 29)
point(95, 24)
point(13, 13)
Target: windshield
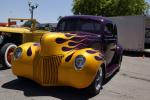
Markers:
point(79, 25)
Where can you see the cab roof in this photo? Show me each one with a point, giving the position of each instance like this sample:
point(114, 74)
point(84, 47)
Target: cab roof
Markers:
point(90, 17)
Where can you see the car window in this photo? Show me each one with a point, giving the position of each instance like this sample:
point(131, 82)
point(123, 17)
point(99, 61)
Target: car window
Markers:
point(67, 25)
point(108, 28)
point(88, 27)
point(97, 27)
point(115, 30)
point(79, 25)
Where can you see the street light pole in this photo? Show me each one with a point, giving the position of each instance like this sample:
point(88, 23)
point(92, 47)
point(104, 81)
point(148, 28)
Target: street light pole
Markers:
point(32, 7)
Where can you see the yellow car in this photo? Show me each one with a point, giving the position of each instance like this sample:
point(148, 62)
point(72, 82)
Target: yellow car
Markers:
point(14, 35)
point(77, 55)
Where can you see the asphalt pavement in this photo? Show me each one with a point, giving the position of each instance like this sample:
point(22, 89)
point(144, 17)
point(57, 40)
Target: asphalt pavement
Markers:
point(131, 83)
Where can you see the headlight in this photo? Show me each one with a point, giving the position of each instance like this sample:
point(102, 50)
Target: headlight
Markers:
point(79, 62)
point(18, 53)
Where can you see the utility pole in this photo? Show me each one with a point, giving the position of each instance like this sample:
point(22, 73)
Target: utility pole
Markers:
point(32, 7)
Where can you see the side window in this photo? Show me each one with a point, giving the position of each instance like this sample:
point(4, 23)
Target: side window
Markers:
point(108, 28)
point(115, 30)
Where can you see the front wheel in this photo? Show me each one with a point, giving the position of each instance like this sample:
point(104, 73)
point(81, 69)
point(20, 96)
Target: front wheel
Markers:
point(96, 86)
point(5, 53)
point(1, 39)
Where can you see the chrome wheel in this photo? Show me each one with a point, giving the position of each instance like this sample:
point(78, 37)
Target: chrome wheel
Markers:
point(99, 80)
point(96, 86)
point(6, 53)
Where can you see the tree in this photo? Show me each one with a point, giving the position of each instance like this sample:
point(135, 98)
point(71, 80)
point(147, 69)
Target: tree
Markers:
point(110, 7)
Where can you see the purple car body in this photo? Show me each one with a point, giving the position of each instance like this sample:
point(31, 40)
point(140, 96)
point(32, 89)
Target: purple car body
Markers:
point(105, 37)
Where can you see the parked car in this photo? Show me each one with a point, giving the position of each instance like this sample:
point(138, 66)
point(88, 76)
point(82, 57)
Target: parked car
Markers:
point(81, 54)
point(12, 36)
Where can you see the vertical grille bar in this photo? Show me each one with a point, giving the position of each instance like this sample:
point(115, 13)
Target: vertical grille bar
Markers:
point(45, 69)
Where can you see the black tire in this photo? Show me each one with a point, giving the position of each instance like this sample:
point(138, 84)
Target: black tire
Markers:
point(97, 84)
point(7, 48)
point(1, 39)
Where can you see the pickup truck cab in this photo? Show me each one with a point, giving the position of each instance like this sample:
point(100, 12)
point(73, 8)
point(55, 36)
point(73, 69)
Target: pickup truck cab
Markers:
point(82, 53)
point(13, 35)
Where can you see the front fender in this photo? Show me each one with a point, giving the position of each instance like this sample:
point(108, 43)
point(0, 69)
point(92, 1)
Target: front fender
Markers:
point(70, 76)
point(24, 65)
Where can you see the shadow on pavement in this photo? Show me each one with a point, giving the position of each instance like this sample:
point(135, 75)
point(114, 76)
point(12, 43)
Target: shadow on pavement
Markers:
point(3, 68)
point(30, 88)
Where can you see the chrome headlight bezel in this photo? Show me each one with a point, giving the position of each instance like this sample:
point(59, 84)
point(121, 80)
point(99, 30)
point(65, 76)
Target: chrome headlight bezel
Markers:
point(79, 62)
point(17, 53)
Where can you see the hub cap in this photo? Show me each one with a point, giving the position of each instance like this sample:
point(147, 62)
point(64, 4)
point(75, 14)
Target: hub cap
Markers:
point(9, 53)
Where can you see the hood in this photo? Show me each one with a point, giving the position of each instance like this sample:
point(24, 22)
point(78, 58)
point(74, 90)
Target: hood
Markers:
point(61, 43)
point(14, 29)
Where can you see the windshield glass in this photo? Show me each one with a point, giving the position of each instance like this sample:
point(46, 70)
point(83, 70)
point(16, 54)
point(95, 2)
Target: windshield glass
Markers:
point(79, 25)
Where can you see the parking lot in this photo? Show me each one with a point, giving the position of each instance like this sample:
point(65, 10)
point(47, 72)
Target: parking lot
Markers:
point(131, 83)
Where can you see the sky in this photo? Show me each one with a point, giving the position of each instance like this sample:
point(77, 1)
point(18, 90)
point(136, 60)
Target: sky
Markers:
point(48, 10)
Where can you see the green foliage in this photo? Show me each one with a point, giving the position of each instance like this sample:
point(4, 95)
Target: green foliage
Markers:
point(110, 7)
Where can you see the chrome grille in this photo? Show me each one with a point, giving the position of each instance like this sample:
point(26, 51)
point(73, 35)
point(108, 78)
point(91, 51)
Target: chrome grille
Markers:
point(45, 69)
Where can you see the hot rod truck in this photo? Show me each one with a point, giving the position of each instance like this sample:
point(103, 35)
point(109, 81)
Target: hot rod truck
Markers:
point(81, 54)
point(13, 35)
